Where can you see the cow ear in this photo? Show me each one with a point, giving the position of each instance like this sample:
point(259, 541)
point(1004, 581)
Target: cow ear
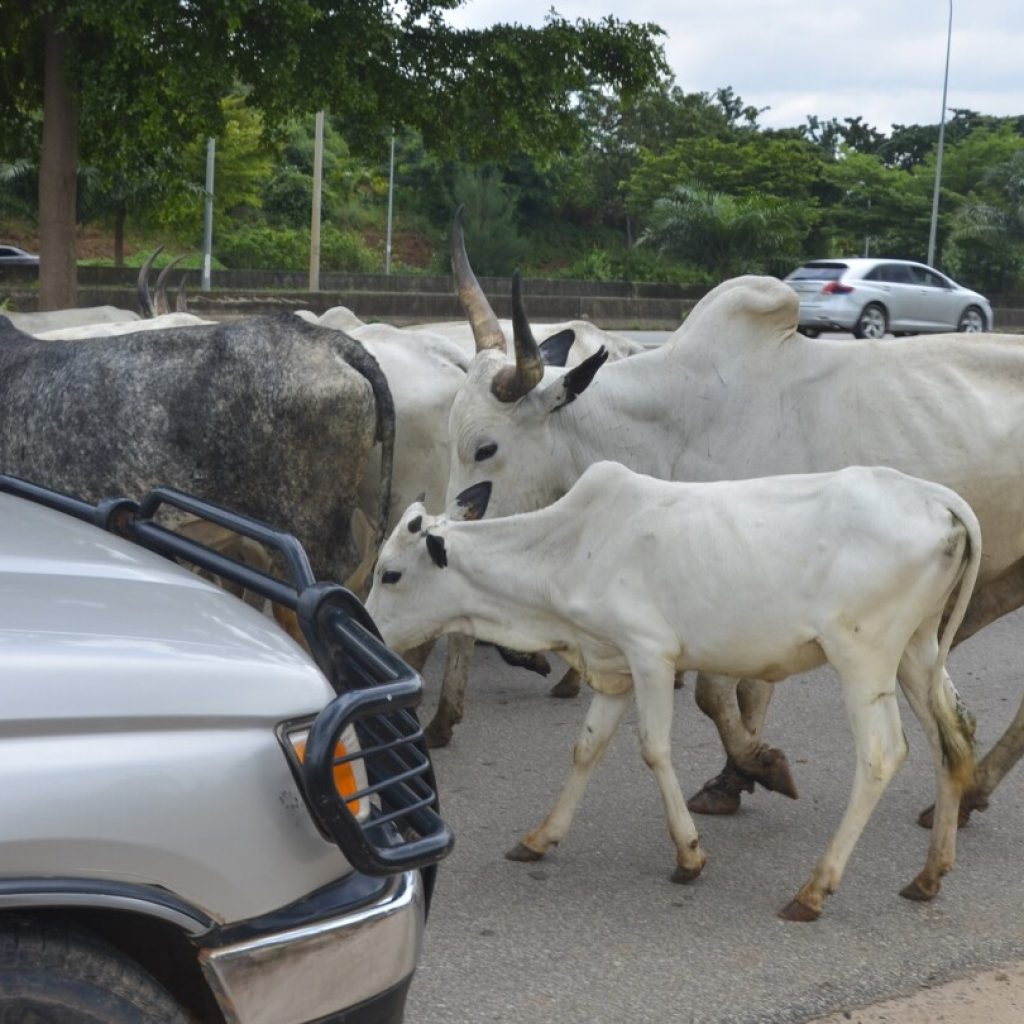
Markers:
point(576, 380)
point(438, 552)
point(555, 350)
point(473, 501)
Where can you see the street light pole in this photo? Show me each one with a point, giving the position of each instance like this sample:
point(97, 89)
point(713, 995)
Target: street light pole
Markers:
point(942, 138)
point(391, 195)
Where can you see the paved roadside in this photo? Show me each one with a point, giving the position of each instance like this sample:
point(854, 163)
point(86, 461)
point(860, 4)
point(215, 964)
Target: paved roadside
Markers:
point(990, 997)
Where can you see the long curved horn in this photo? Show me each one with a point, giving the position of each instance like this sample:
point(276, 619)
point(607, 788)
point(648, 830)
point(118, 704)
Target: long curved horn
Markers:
point(181, 299)
point(162, 305)
point(145, 305)
point(486, 329)
point(512, 382)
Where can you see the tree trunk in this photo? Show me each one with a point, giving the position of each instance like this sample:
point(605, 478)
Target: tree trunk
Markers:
point(119, 217)
point(58, 167)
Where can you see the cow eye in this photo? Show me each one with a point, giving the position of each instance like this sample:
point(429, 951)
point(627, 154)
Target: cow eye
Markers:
point(485, 451)
point(391, 576)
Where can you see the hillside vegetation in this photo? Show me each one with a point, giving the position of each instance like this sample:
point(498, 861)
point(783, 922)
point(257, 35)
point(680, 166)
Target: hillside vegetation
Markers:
point(665, 186)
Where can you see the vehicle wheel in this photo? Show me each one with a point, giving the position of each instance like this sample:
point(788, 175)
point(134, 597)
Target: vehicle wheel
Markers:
point(809, 332)
point(52, 974)
point(972, 321)
point(871, 323)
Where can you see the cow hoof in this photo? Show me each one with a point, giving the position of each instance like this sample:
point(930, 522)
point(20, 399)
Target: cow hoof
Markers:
point(531, 661)
point(721, 795)
point(714, 801)
point(437, 734)
point(968, 802)
point(683, 876)
point(772, 771)
point(797, 911)
point(567, 686)
point(521, 852)
point(919, 892)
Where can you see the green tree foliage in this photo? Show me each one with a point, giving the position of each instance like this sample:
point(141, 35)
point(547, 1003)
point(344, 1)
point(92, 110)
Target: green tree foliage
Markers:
point(728, 234)
point(489, 221)
point(987, 238)
point(135, 82)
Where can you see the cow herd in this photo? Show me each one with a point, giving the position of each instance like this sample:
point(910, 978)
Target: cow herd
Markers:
point(743, 502)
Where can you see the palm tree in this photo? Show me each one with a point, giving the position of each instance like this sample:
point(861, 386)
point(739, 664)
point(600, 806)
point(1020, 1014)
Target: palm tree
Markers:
point(728, 235)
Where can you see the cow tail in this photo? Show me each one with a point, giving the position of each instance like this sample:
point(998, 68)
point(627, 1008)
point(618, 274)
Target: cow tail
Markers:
point(362, 361)
point(956, 723)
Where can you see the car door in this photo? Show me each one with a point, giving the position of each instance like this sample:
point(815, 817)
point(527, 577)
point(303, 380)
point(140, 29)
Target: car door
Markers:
point(937, 302)
point(891, 285)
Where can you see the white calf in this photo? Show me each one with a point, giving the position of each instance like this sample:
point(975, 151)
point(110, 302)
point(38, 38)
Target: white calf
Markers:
point(635, 579)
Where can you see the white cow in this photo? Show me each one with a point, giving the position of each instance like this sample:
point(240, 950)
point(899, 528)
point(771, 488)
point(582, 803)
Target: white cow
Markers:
point(110, 330)
point(737, 393)
point(570, 342)
point(56, 319)
point(635, 579)
point(424, 371)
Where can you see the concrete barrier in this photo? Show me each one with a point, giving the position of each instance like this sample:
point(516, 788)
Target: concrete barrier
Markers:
point(410, 299)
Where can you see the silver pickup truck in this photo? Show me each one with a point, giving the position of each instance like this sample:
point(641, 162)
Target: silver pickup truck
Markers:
point(199, 820)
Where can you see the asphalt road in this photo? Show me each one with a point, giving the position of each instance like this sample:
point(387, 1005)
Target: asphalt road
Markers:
point(597, 933)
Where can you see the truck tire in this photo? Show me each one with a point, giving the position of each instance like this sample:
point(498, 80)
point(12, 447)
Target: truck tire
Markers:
point(55, 974)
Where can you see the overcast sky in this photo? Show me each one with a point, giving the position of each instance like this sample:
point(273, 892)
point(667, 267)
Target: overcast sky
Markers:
point(881, 59)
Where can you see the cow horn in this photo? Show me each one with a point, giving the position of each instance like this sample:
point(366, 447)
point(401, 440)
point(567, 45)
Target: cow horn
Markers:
point(486, 329)
point(145, 304)
point(512, 382)
point(162, 305)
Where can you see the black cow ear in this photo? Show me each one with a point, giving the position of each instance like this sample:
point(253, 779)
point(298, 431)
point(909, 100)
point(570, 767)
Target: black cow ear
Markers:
point(438, 552)
point(555, 350)
point(578, 379)
point(473, 500)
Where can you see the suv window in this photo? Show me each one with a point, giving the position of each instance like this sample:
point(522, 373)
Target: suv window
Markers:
point(819, 272)
point(926, 277)
point(891, 273)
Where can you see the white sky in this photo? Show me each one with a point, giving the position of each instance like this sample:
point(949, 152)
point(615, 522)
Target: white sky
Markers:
point(881, 59)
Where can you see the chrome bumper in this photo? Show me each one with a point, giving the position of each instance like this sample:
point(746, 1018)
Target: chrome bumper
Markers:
point(309, 972)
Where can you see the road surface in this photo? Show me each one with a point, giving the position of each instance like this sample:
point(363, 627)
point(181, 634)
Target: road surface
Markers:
point(597, 933)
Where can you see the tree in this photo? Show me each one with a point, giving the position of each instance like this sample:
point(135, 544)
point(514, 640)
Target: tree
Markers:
point(727, 235)
point(133, 80)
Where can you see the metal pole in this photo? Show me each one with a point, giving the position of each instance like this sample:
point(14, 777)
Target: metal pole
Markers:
point(938, 155)
point(391, 194)
point(211, 149)
point(314, 227)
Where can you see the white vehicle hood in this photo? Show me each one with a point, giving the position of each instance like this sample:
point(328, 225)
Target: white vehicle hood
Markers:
point(94, 627)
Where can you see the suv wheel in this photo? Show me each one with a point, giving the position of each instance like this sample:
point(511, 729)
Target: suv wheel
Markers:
point(972, 321)
point(59, 975)
point(871, 323)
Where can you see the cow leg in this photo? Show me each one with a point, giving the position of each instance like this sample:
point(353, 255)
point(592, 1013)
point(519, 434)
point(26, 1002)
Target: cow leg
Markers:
point(738, 710)
point(880, 748)
point(654, 699)
point(416, 657)
point(915, 676)
point(994, 766)
point(567, 686)
point(602, 719)
point(990, 601)
point(453, 691)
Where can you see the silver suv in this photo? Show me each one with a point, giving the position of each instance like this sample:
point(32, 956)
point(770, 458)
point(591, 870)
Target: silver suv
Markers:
point(201, 822)
point(871, 297)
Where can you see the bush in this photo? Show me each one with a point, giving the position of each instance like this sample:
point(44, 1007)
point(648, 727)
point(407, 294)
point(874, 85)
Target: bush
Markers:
point(264, 248)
